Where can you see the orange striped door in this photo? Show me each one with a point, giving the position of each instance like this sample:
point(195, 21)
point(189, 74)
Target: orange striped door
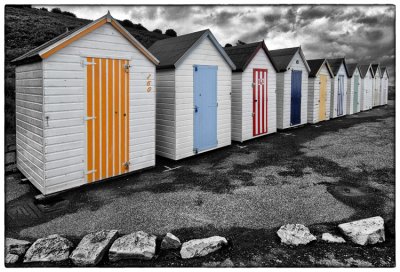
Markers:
point(107, 118)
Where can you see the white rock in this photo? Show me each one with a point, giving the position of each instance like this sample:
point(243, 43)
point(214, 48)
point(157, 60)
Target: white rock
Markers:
point(137, 245)
point(17, 247)
point(92, 247)
point(327, 237)
point(202, 247)
point(295, 234)
point(170, 241)
point(53, 248)
point(365, 231)
point(11, 258)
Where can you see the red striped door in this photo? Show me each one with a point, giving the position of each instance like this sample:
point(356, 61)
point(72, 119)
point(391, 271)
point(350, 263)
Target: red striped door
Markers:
point(260, 101)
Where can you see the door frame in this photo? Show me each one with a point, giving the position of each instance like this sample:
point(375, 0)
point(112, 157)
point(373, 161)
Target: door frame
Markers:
point(326, 96)
point(197, 149)
point(291, 92)
point(265, 100)
point(341, 96)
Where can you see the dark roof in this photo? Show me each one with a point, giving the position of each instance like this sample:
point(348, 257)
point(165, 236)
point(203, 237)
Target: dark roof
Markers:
point(241, 55)
point(383, 69)
point(375, 68)
point(33, 55)
point(170, 51)
point(351, 68)
point(315, 66)
point(364, 69)
point(282, 57)
point(335, 65)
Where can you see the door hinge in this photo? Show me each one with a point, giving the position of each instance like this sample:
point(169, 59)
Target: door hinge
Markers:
point(85, 62)
point(195, 151)
point(87, 118)
point(127, 66)
point(126, 164)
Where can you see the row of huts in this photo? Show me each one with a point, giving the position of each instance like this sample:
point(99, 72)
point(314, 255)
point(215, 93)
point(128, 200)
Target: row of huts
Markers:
point(94, 103)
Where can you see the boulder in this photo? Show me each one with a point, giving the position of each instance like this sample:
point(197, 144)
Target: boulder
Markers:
point(92, 247)
point(53, 248)
point(170, 241)
point(365, 231)
point(11, 258)
point(17, 247)
point(202, 247)
point(329, 238)
point(137, 245)
point(295, 234)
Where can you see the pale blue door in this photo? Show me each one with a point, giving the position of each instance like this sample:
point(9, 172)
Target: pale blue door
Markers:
point(205, 107)
point(340, 95)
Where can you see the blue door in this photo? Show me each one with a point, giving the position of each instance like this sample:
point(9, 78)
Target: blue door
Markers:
point(340, 95)
point(295, 109)
point(205, 107)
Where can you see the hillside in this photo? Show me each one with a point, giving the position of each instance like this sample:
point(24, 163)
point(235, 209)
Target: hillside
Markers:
point(27, 28)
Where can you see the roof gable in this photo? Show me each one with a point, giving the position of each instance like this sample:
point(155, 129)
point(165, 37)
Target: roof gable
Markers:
point(352, 68)
point(384, 71)
point(316, 66)
point(376, 69)
point(335, 65)
point(283, 58)
point(364, 68)
point(172, 51)
point(242, 55)
point(49, 48)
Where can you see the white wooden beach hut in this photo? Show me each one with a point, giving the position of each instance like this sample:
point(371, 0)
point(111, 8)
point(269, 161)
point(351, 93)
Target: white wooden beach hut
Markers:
point(193, 95)
point(338, 87)
point(85, 107)
point(376, 71)
point(384, 85)
point(319, 90)
point(353, 88)
point(291, 87)
point(253, 91)
point(366, 87)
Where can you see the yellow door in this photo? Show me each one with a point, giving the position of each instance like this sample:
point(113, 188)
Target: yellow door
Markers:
point(107, 118)
point(322, 97)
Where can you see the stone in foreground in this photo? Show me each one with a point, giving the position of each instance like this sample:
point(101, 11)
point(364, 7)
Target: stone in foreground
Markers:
point(11, 258)
point(137, 245)
point(202, 247)
point(17, 247)
point(92, 247)
point(170, 241)
point(329, 238)
point(365, 231)
point(53, 248)
point(295, 234)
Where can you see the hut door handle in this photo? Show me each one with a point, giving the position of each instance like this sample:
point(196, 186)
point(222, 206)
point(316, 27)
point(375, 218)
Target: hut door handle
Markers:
point(196, 109)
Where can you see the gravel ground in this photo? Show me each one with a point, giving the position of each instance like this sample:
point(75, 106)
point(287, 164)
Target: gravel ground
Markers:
point(317, 175)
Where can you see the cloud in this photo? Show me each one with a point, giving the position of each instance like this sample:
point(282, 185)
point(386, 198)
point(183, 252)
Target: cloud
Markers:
point(361, 33)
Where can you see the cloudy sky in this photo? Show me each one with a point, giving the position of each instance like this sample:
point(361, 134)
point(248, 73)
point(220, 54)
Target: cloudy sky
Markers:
point(362, 34)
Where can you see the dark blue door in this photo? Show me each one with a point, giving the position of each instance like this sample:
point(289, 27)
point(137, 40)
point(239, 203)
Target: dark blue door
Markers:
point(340, 95)
point(295, 109)
point(205, 107)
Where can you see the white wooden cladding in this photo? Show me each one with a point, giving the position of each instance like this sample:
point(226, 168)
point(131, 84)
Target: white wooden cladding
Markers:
point(367, 91)
point(64, 109)
point(334, 92)
point(283, 93)
point(314, 96)
point(29, 122)
point(175, 103)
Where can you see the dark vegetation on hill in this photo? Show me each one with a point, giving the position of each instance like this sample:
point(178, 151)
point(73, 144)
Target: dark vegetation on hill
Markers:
point(27, 28)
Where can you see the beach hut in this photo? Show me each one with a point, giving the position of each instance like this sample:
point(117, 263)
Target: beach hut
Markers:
point(338, 87)
point(384, 85)
point(85, 107)
point(319, 90)
point(353, 88)
point(253, 91)
point(193, 95)
point(366, 87)
point(291, 87)
point(376, 71)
